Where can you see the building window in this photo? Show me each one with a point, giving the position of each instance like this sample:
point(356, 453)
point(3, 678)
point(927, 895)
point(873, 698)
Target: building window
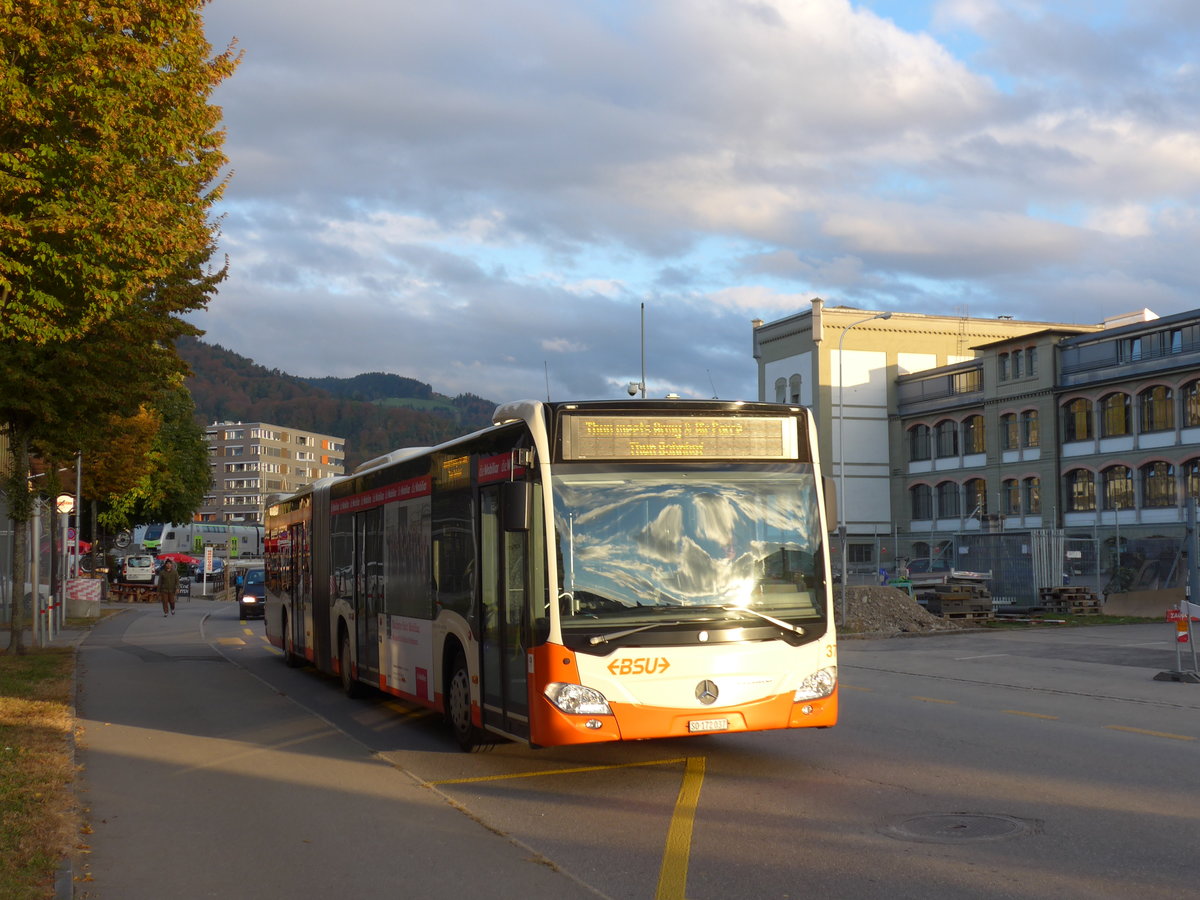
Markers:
point(235, 451)
point(967, 382)
point(1010, 497)
point(947, 499)
point(1081, 491)
point(1031, 361)
point(1114, 415)
point(1118, 487)
point(1008, 431)
point(235, 435)
point(1029, 428)
point(921, 501)
point(976, 491)
point(1158, 484)
point(1032, 489)
point(1158, 409)
point(1016, 364)
point(1191, 404)
point(781, 390)
point(1130, 349)
point(1191, 479)
point(945, 435)
point(1077, 420)
point(794, 389)
point(860, 553)
point(1002, 366)
point(973, 435)
point(918, 443)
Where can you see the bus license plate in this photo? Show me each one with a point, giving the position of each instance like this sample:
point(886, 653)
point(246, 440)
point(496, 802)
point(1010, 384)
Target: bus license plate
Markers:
point(708, 725)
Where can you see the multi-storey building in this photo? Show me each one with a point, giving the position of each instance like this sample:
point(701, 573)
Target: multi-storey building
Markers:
point(1047, 452)
point(850, 366)
point(253, 460)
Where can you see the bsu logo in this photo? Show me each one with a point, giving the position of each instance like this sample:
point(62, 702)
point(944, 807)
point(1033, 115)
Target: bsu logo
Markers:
point(644, 665)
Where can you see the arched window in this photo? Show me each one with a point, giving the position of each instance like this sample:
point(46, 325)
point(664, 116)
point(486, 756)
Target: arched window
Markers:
point(1077, 420)
point(947, 499)
point(1002, 366)
point(1080, 491)
point(973, 436)
point(1029, 428)
point(918, 443)
point(1158, 484)
point(1016, 364)
point(945, 436)
point(1118, 487)
point(1191, 479)
point(1031, 490)
point(976, 491)
point(781, 390)
point(1031, 361)
point(1191, 404)
point(1158, 408)
point(921, 498)
point(1114, 415)
point(794, 389)
point(1009, 436)
point(1010, 497)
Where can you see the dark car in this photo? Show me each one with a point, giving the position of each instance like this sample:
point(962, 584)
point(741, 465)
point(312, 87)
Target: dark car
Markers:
point(253, 593)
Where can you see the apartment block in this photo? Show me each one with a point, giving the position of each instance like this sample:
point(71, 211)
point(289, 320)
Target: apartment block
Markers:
point(250, 461)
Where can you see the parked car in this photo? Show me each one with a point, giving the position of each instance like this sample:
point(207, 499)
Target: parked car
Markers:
point(252, 593)
point(137, 570)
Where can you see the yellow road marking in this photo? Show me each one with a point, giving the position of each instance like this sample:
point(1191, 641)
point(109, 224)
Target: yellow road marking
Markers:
point(660, 762)
point(1018, 712)
point(672, 877)
point(409, 712)
point(1161, 734)
point(935, 700)
point(231, 642)
point(248, 631)
point(852, 687)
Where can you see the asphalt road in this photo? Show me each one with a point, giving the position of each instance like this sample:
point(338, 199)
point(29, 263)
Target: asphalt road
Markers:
point(1012, 764)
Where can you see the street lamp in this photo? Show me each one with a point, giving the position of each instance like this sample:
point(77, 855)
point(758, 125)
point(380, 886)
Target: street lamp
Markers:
point(842, 449)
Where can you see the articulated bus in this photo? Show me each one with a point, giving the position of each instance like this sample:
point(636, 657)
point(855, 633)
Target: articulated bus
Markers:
point(579, 572)
point(228, 541)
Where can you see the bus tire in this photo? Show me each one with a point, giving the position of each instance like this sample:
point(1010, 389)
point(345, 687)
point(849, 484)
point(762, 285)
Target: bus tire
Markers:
point(290, 659)
point(458, 705)
point(351, 687)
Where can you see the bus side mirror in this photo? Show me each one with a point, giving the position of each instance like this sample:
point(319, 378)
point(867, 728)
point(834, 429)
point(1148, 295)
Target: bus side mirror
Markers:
point(829, 488)
point(517, 497)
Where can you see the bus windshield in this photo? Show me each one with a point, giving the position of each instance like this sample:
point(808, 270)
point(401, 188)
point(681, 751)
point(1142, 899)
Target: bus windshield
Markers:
point(668, 548)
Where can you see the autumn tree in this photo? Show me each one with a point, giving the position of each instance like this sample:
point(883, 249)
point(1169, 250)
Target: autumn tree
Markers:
point(110, 162)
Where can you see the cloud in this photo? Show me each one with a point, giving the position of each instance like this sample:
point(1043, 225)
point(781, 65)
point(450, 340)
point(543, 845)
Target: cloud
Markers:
point(483, 196)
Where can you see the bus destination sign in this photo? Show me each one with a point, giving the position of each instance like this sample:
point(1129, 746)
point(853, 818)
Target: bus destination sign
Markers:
point(678, 437)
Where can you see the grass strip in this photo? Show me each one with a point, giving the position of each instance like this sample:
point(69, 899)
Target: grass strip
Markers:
point(38, 812)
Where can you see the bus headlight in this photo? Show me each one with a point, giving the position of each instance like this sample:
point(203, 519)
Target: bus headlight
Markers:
point(817, 685)
point(577, 700)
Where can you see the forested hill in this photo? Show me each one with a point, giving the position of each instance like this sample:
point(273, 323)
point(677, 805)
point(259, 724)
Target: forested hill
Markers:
point(374, 412)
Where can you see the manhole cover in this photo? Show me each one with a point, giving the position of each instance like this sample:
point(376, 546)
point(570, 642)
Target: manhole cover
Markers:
point(957, 828)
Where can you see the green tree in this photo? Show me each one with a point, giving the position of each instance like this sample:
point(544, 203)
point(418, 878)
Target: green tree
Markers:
point(176, 477)
point(110, 159)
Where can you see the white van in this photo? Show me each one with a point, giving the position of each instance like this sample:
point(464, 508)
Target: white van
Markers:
point(138, 570)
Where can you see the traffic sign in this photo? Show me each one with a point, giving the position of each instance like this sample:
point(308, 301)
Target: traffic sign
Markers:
point(65, 503)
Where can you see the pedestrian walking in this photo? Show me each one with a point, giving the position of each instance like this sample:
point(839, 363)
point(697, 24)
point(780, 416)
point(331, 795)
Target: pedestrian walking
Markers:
point(168, 586)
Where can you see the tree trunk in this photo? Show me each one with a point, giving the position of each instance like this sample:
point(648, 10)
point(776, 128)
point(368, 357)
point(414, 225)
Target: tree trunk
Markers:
point(20, 506)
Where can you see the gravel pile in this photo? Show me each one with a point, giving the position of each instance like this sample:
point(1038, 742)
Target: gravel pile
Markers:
point(872, 609)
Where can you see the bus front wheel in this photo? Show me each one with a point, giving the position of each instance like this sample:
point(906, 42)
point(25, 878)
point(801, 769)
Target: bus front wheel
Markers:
point(290, 659)
point(458, 705)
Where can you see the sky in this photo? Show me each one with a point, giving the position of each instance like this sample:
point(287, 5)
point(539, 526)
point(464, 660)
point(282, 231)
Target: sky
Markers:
point(493, 197)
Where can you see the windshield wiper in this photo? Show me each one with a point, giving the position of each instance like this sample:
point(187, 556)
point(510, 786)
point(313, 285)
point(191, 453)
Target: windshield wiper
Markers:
point(617, 635)
point(786, 626)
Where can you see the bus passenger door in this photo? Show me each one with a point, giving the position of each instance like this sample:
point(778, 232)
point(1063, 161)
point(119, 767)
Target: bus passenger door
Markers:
point(504, 578)
point(368, 589)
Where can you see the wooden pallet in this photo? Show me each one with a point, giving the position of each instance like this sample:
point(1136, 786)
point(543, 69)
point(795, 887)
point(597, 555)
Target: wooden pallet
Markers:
point(133, 593)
